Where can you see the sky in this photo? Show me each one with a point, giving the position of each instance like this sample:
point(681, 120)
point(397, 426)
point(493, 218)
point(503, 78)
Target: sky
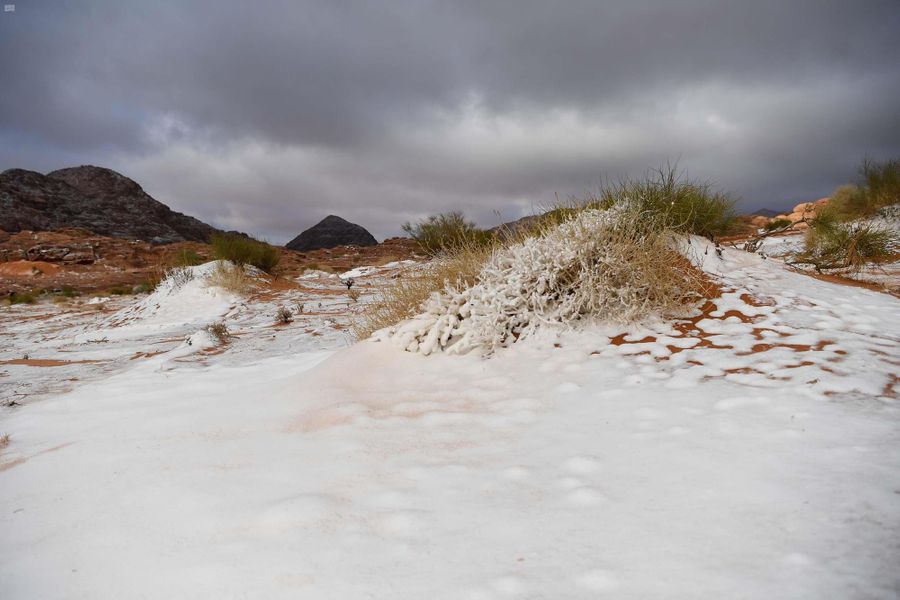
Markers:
point(266, 116)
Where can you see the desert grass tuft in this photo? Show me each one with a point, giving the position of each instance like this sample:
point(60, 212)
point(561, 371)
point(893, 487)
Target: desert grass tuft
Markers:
point(678, 203)
point(231, 277)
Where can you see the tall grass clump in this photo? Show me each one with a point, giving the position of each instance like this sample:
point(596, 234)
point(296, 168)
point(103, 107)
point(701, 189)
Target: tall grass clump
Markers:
point(681, 204)
point(186, 257)
point(446, 232)
point(230, 277)
point(878, 186)
point(243, 250)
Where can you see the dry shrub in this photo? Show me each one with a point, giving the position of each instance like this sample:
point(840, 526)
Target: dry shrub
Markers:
point(406, 297)
point(618, 265)
point(284, 316)
point(219, 331)
point(231, 277)
point(353, 294)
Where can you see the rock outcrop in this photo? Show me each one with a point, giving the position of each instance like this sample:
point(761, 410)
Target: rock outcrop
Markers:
point(330, 232)
point(93, 198)
point(805, 211)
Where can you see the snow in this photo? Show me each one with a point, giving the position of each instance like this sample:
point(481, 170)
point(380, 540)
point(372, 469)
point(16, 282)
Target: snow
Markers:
point(747, 453)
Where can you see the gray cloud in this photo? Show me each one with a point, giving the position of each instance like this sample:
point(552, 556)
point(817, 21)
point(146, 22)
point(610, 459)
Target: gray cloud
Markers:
point(266, 116)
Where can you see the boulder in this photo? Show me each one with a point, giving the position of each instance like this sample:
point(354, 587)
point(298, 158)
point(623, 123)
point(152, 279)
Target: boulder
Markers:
point(330, 232)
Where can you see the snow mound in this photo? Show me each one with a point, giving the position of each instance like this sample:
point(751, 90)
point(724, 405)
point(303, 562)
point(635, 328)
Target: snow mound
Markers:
point(186, 296)
point(591, 267)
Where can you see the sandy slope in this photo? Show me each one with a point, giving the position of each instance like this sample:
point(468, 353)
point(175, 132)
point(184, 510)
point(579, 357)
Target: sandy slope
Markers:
point(750, 453)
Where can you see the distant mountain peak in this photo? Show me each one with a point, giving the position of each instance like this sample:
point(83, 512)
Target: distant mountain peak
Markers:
point(330, 232)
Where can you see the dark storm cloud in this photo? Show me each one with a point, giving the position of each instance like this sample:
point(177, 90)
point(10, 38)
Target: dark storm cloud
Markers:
point(266, 116)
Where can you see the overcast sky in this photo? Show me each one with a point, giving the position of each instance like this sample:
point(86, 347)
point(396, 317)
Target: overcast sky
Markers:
point(267, 116)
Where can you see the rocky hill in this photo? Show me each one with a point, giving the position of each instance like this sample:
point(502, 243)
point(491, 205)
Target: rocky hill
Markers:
point(95, 199)
point(330, 232)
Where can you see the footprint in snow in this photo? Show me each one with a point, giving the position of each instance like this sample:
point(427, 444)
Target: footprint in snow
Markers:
point(568, 387)
point(648, 413)
point(516, 473)
point(509, 585)
point(581, 465)
point(597, 580)
point(740, 402)
point(400, 524)
point(585, 496)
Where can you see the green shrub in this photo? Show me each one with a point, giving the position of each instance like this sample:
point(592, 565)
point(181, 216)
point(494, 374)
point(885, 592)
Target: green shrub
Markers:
point(832, 244)
point(683, 205)
point(244, 250)
point(879, 186)
point(187, 257)
point(22, 298)
point(881, 183)
point(120, 290)
point(776, 224)
point(446, 232)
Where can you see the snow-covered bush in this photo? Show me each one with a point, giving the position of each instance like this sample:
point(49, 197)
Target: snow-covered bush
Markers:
point(408, 294)
point(615, 265)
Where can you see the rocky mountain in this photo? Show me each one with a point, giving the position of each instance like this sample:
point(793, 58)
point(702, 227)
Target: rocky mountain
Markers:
point(764, 212)
point(330, 232)
point(95, 199)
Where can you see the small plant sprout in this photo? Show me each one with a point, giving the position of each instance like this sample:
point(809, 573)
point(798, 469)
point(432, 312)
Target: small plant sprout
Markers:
point(4, 440)
point(284, 316)
point(348, 282)
point(353, 294)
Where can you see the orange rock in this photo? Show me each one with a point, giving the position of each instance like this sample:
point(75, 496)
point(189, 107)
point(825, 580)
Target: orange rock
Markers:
point(27, 268)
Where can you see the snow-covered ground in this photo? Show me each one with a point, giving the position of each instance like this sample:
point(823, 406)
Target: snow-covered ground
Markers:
point(751, 452)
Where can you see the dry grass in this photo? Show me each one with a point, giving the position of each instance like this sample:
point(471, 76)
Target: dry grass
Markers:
point(219, 331)
point(231, 277)
point(405, 298)
point(4, 440)
point(284, 316)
